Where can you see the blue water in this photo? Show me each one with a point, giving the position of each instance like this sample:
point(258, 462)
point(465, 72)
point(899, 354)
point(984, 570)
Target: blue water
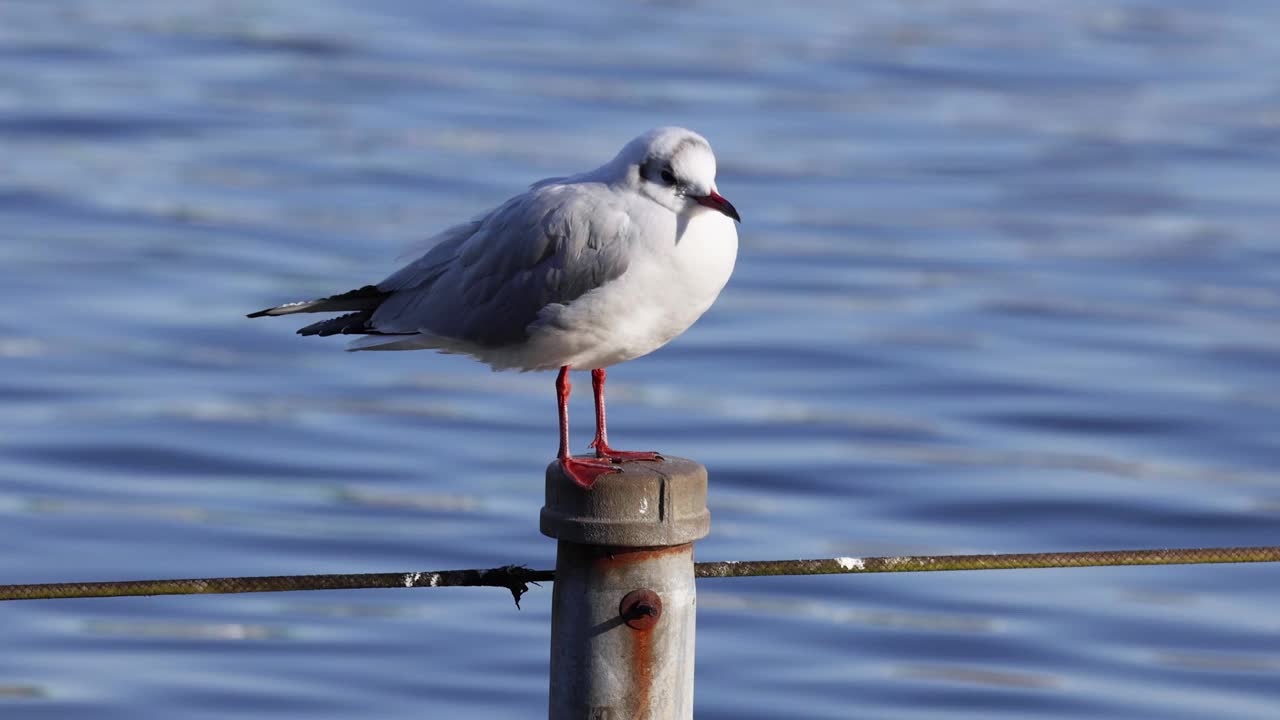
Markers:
point(1009, 282)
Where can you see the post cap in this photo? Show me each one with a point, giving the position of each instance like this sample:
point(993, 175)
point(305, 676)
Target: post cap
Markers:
point(648, 504)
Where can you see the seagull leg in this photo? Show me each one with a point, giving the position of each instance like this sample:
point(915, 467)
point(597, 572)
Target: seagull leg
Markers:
point(582, 471)
point(601, 443)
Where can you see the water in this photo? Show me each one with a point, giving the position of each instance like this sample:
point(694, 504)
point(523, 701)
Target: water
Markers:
point(1009, 282)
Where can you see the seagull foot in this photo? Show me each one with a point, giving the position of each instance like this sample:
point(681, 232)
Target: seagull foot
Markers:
point(621, 456)
point(584, 471)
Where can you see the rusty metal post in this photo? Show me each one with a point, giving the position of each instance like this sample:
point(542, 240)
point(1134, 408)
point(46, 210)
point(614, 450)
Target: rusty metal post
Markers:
point(622, 611)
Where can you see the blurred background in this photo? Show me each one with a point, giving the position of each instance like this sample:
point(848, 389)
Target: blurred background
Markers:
point(1009, 282)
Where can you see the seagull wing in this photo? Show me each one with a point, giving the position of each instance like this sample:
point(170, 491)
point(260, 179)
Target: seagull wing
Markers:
point(485, 282)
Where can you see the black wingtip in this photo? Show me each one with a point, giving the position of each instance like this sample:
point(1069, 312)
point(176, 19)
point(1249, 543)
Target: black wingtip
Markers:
point(365, 298)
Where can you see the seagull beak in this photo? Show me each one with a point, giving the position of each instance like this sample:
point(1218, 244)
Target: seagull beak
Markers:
point(716, 202)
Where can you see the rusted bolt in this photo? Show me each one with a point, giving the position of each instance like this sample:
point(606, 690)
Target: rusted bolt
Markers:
point(640, 609)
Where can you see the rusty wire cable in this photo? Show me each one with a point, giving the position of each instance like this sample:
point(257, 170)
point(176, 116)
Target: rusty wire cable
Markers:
point(512, 577)
point(517, 579)
point(1008, 561)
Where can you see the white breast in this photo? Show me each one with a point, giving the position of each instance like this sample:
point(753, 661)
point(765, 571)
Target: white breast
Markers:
point(665, 289)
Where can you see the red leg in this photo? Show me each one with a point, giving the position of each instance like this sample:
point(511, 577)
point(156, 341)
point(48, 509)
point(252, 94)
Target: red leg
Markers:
point(582, 471)
point(601, 443)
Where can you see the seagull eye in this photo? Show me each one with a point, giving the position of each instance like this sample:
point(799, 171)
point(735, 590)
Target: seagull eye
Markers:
point(668, 177)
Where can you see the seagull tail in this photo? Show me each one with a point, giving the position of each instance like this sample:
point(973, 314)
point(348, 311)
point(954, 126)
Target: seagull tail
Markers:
point(362, 299)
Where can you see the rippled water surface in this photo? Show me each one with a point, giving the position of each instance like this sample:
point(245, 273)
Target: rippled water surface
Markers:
point(1009, 281)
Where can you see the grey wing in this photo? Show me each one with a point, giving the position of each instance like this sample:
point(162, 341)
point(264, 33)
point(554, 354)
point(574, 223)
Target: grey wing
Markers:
point(485, 282)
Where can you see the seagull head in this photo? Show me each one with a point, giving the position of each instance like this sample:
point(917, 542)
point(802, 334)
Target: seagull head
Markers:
point(675, 168)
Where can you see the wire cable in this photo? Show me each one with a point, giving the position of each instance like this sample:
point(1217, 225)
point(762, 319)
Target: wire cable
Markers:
point(517, 579)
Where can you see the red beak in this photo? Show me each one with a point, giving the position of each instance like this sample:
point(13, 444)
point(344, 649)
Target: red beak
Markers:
point(715, 201)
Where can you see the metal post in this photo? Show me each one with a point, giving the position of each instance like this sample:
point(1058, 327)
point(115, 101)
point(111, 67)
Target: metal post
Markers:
point(622, 611)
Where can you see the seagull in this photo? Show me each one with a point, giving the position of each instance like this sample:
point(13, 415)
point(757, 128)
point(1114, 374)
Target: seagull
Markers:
point(577, 273)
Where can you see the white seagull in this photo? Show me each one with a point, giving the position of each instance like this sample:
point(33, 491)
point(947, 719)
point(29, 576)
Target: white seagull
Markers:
point(577, 273)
